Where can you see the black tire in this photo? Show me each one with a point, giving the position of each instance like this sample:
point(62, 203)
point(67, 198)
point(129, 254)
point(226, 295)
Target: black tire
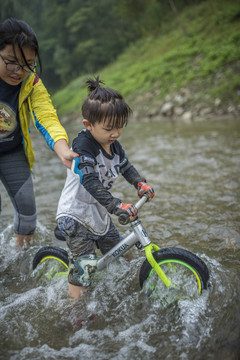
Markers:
point(50, 252)
point(185, 260)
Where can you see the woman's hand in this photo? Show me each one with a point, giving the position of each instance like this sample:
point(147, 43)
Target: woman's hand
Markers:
point(65, 154)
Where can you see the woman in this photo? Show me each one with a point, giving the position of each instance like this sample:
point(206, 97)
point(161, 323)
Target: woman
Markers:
point(23, 96)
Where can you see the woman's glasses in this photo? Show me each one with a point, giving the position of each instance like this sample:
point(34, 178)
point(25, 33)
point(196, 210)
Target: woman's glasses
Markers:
point(15, 67)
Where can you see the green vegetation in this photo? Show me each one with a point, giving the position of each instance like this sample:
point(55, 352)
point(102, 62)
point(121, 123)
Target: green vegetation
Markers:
point(198, 48)
point(79, 36)
point(146, 49)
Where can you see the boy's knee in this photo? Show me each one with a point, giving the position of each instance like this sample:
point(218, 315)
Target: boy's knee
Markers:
point(25, 224)
point(81, 270)
point(67, 226)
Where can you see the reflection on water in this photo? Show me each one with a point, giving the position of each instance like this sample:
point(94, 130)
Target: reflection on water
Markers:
point(195, 173)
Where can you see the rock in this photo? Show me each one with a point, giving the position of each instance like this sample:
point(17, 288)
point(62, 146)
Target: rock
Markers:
point(153, 112)
point(185, 92)
point(231, 109)
point(217, 102)
point(178, 110)
point(167, 109)
point(205, 111)
point(179, 99)
point(187, 117)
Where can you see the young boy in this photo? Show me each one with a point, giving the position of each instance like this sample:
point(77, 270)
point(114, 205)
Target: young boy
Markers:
point(85, 202)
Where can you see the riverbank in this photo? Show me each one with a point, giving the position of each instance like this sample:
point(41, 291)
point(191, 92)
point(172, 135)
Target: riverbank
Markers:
point(175, 75)
point(194, 103)
point(188, 105)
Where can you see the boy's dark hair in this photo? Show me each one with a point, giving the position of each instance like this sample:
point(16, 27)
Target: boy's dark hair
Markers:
point(18, 33)
point(105, 104)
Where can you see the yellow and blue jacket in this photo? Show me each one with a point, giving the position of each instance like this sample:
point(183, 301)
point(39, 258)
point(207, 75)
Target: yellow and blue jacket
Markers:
point(35, 103)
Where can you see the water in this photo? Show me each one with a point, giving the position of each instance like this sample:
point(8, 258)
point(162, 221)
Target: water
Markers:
point(195, 173)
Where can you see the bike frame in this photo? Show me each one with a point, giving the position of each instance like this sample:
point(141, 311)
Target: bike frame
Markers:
point(138, 234)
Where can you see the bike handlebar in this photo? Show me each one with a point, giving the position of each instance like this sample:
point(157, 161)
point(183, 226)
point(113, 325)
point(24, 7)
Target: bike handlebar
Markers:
point(124, 218)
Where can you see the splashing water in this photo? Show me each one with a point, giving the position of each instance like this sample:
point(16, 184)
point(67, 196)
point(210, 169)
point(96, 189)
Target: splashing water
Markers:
point(195, 174)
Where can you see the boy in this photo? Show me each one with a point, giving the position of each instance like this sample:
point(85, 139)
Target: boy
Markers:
point(86, 200)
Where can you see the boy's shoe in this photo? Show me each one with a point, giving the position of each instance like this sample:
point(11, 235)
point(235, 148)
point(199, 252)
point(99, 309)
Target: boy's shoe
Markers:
point(82, 269)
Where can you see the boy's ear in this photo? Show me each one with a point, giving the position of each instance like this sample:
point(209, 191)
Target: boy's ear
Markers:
point(87, 124)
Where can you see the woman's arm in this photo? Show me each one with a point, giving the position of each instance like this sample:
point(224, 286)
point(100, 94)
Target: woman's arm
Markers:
point(47, 122)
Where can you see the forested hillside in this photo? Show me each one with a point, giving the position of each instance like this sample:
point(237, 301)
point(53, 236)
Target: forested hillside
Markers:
point(79, 36)
point(167, 57)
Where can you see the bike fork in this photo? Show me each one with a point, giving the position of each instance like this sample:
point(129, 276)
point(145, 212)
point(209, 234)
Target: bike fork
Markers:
point(149, 247)
point(148, 251)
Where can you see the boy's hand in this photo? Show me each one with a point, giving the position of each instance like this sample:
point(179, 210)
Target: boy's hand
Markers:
point(145, 189)
point(130, 209)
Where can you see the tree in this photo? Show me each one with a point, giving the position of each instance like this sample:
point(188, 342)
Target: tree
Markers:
point(81, 36)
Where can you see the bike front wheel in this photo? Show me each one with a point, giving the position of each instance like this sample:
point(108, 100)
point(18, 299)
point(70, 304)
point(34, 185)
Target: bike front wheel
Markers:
point(186, 271)
point(50, 261)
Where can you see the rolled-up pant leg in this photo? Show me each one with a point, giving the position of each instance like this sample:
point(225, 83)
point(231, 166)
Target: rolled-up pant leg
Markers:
point(16, 177)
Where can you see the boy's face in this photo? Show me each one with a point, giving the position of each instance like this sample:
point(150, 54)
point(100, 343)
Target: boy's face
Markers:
point(103, 133)
point(7, 56)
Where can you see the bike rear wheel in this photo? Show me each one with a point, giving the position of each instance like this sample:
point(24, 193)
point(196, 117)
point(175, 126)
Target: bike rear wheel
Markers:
point(50, 261)
point(187, 272)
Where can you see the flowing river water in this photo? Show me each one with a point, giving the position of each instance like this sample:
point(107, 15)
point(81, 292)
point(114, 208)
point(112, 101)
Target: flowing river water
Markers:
point(195, 172)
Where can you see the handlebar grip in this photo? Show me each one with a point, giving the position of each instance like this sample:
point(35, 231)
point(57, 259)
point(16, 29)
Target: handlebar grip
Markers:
point(124, 219)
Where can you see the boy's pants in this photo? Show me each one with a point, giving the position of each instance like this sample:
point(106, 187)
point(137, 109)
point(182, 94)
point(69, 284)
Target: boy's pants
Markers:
point(83, 244)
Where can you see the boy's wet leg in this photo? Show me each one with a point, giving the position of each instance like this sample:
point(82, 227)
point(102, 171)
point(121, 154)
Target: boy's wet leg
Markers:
point(83, 259)
point(76, 291)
